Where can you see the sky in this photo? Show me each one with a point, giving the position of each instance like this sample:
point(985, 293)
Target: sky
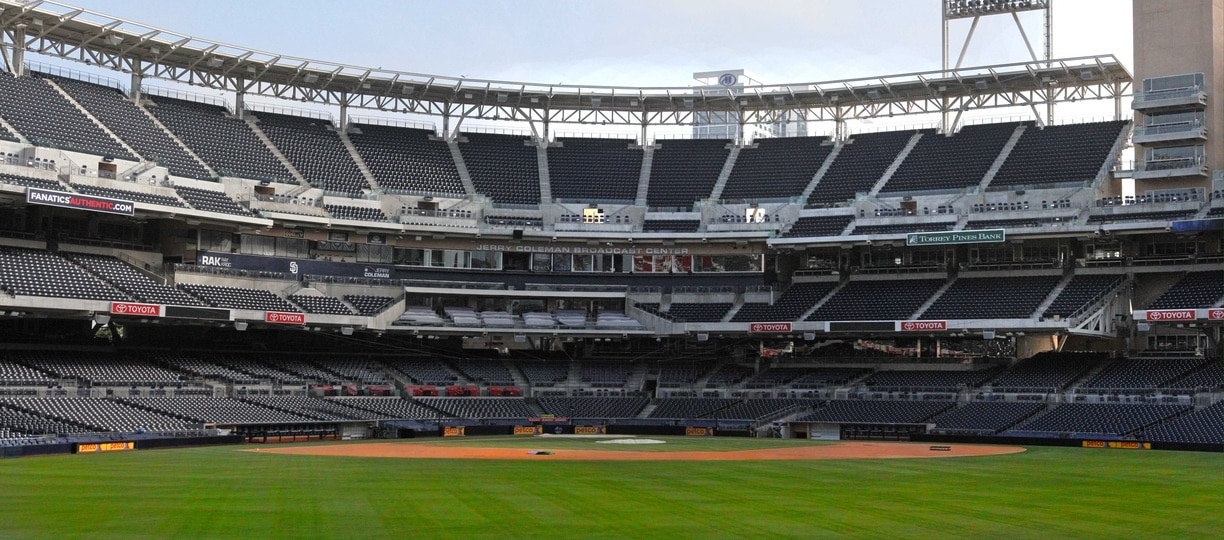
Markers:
point(631, 42)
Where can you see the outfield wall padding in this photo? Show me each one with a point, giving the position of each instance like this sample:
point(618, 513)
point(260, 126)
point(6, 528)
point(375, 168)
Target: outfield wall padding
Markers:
point(1057, 441)
point(35, 450)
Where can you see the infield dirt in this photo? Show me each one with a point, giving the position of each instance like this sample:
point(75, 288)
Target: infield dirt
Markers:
point(843, 450)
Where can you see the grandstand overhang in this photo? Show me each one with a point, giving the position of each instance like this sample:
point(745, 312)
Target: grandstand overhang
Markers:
point(63, 31)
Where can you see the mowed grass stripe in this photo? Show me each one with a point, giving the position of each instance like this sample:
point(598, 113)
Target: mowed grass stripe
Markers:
point(228, 493)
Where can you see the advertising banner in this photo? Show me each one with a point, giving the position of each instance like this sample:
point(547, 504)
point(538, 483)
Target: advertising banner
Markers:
point(769, 327)
point(284, 317)
point(64, 199)
point(135, 309)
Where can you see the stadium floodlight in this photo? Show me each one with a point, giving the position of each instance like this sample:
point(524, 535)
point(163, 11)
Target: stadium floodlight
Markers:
point(240, 326)
point(114, 39)
point(596, 102)
point(981, 85)
point(346, 330)
point(502, 97)
point(101, 318)
point(873, 94)
point(311, 78)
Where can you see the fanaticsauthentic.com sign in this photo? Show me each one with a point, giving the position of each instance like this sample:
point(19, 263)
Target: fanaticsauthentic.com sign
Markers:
point(64, 199)
point(984, 236)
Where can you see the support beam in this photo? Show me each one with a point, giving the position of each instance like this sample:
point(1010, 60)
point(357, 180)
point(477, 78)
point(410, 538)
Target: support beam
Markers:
point(240, 104)
point(17, 65)
point(136, 82)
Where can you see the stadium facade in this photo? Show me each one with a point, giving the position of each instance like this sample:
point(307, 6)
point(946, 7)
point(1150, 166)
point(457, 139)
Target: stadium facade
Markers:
point(274, 272)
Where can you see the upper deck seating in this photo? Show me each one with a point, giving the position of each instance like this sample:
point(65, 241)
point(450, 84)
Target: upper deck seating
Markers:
point(861, 163)
point(938, 162)
point(40, 113)
point(226, 143)
point(503, 167)
point(1072, 153)
point(315, 150)
point(406, 160)
point(127, 120)
point(776, 168)
point(683, 171)
point(594, 170)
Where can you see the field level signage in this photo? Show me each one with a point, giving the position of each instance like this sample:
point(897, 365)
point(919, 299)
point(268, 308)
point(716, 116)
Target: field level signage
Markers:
point(284, 317)
point(922, 326)
point(769, 327)
point(984, 236)
point(93, 448)
point(1171, 315)
point(64, 199)
point(133, 308)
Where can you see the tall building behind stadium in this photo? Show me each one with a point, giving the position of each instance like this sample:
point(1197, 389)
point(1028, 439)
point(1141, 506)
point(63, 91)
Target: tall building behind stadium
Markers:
point(296, 254)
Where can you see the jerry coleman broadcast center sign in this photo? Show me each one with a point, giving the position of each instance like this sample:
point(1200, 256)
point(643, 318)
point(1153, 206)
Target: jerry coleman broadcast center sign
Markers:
point(984, 236)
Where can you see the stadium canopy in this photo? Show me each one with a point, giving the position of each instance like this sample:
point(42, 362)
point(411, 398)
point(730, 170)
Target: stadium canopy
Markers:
point(60, 30)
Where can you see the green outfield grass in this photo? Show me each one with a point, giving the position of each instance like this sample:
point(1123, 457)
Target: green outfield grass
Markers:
point(231, 493)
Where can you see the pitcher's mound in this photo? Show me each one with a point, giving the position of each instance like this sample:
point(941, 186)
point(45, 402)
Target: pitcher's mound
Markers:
point(631, 441)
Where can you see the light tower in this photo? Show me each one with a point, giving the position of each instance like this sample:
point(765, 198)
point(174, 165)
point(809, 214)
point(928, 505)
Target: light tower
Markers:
point(957, 10)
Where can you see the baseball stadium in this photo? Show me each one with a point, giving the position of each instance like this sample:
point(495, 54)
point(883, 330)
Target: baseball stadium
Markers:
point(251, 294)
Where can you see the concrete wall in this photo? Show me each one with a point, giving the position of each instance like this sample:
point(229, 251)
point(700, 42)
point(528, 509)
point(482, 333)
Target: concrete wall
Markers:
point(1173, 37)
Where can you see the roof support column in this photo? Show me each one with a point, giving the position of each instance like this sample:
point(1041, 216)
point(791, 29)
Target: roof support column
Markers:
point(839, 125)
point(344, 104)
point(240, 104)
point(445, 123)
point(1049, 54)
point(17, 62)
point(137, 81)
